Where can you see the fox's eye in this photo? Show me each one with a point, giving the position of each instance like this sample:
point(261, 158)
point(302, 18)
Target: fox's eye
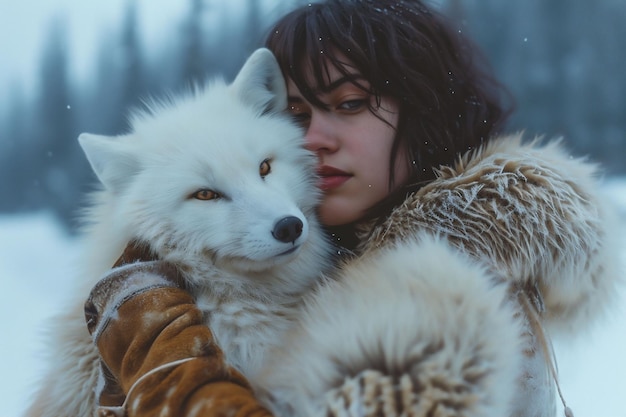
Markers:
point(205, 195)
point(264, 168)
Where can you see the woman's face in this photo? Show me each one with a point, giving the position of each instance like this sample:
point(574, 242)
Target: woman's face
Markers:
point(353, 146)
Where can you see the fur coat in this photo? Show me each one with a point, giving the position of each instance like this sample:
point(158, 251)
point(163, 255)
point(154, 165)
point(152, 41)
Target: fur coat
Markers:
point(449, 308)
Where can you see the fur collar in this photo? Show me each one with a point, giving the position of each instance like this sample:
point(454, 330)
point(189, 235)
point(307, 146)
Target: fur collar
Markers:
point(529, 212)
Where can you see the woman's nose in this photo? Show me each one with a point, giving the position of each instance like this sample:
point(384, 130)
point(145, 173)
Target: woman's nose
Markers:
point(320, 136)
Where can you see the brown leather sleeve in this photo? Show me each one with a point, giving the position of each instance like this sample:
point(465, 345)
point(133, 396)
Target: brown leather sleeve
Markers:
point(156, 329)
point(157, 355)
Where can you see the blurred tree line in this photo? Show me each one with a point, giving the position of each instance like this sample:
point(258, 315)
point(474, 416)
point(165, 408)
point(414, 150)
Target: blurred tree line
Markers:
point(562, 60)
point(564, 63)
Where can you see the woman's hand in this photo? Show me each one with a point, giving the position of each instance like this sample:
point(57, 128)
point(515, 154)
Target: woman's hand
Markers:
point(157, 355)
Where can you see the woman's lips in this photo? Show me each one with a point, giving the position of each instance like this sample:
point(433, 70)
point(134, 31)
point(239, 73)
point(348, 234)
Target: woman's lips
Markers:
point(330, 177)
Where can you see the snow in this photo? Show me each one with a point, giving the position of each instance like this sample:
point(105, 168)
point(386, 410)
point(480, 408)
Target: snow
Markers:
point(36, 274)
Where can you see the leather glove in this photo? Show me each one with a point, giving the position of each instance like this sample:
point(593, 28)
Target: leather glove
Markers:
point(158, 357)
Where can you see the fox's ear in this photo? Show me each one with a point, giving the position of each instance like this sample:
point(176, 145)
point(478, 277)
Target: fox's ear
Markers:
point(111, 159)
point(260, 82)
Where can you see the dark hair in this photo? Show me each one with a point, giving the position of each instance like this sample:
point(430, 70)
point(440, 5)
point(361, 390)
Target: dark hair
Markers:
point(449, 103)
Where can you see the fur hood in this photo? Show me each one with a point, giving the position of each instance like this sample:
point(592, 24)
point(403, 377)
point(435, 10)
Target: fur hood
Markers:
point(450, 301)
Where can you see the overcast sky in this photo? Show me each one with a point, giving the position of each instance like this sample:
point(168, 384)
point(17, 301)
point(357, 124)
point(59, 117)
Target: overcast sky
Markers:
point(24, 24)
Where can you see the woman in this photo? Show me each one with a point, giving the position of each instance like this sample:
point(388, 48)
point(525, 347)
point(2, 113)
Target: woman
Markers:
point(465, 245)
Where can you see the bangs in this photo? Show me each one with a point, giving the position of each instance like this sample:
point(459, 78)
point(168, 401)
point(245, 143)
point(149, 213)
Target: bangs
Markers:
point(308, 45)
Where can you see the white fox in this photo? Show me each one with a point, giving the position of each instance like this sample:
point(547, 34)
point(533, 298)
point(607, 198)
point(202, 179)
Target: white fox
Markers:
point(219, 183)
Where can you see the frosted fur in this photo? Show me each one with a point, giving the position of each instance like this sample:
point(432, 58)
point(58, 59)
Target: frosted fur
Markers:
point(215, 138)
point(533, 214)
point(423, 317)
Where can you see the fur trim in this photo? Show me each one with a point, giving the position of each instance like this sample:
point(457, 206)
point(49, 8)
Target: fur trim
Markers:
point(453, 344)
point(533, 214)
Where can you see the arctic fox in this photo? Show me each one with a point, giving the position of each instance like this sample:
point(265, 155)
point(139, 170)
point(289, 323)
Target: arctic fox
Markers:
point(217, 182)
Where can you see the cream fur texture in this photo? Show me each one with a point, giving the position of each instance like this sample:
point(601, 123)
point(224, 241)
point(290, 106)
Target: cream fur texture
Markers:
point(420, 328)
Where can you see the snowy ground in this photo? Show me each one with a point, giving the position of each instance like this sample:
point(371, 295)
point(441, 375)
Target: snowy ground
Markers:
point(36, 271)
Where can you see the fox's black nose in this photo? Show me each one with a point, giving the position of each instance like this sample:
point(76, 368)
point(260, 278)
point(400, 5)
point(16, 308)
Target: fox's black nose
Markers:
point(287, 229)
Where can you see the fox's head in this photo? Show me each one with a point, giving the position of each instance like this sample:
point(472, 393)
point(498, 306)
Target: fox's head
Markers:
point(219, 173)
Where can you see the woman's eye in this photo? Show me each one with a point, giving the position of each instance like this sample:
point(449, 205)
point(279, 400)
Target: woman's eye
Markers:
point(205, 195)
point(299, 113)
point(301, 118)
point(352, 105)
point(265, 168)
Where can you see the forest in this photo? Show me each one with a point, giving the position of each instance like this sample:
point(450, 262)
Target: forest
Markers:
point(562, 60)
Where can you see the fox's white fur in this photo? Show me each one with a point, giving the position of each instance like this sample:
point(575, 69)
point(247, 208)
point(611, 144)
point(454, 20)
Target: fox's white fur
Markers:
point(216, 139)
